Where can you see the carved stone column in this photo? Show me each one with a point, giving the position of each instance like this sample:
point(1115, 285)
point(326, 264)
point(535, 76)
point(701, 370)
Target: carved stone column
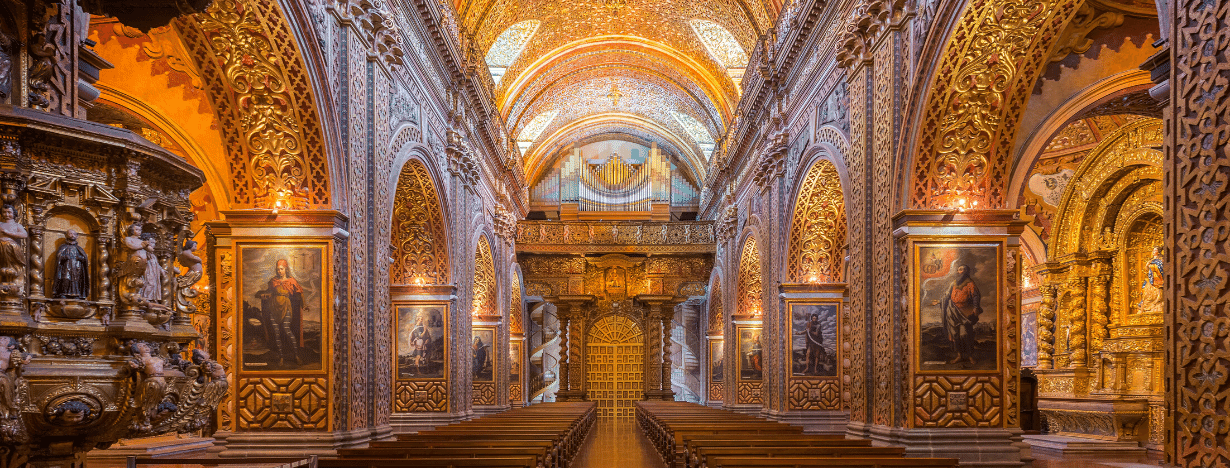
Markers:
point(1046, 328)
point(668, 316)
point(659, 313)
point(571, 384)
point(1078, 344)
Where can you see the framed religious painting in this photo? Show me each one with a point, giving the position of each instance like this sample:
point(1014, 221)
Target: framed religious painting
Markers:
point(514, 365)
point(283, 292)
point(717, 360)
point(481, 351)
point(957, 288)
point(812, 346)
point(750, 353)
point(422, 341)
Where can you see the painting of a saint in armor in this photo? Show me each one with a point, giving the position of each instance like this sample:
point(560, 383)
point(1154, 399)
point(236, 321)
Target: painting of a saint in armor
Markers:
point(283, 291)
point(420, 341)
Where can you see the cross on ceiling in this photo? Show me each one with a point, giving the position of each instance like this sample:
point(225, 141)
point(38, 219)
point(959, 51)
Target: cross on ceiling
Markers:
point(614, 95)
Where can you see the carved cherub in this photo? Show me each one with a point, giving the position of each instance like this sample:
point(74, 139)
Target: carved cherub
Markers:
point(12, 360)
point(151, 384)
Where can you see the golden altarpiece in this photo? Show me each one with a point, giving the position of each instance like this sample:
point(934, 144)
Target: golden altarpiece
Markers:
point(615, 287)
point(1100, 322)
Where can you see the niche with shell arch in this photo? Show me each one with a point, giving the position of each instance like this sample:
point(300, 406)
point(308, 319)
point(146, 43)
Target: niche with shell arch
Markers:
point(59, 221)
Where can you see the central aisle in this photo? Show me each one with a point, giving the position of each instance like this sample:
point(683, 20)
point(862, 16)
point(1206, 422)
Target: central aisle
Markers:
point(617, 443)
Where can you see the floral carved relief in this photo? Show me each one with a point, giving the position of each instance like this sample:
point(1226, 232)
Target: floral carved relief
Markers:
point(818, 232)
point(420, 250)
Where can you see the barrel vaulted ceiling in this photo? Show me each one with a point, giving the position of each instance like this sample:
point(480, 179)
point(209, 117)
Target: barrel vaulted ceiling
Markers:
point(660, 71)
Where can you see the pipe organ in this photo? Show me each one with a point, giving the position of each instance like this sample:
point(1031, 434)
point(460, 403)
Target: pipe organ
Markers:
point(616, 186)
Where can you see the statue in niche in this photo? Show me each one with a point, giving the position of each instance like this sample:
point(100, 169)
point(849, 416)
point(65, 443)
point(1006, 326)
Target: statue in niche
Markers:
point(12, 234)
point(72, 277)
point(1151, 288)
point(152, 289)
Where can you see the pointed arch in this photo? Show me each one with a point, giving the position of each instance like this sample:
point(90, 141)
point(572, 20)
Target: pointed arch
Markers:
point(482, 303)
point(419, 242)
point(515, 313)
point(751, 290)
point(818, 231)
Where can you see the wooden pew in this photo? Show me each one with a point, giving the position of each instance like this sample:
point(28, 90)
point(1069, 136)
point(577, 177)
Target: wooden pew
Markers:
point(538, 436)
point(282, 462)
point(702, 437)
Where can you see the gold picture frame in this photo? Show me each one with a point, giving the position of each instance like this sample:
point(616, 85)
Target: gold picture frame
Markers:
point(812, 349)
point(420, 340)
point(283, 292)
point(958, 289)
point(483, 345)
point(750, 353)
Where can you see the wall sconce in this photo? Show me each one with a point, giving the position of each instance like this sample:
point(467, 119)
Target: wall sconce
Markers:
point(813, 279)
point(964, 204)
point(419, 281)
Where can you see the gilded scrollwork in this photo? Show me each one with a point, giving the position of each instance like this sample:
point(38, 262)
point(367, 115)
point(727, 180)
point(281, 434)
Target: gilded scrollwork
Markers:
point(750, 288)
point(420, 247)
point(818, 231)
point(484, 294)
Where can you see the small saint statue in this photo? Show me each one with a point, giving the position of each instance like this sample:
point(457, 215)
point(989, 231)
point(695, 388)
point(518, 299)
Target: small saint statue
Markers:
point(72, 280)
point(152, 290)
point(12, 233)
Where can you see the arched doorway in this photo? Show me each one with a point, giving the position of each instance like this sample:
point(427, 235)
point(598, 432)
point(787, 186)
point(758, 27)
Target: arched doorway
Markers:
point(616, 359)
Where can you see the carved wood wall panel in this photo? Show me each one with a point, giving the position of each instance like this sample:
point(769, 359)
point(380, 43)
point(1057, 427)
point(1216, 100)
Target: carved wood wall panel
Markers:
point(420, 396)
point(883, 145)
point(226, 347)
point(515, 312)
point(813, 395)
point(818, 231)
point(716, 391)
point(1197, 223)
point(855, 318)
point(987, 72)
point(259, 86)
point(750, 393)
point(419, 241)
point(717, 320)
point(278, 404)
point(957, 401)
point(484, 393)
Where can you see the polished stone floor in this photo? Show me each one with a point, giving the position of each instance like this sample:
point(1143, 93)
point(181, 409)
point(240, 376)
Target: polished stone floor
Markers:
point(617, 443)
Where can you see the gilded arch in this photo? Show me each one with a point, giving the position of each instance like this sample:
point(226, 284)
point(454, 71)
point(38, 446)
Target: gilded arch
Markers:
point(986, 73)
point(419, 243)
point(750, 289)
point(260, 89)
point(483, 302)
point(818, 231)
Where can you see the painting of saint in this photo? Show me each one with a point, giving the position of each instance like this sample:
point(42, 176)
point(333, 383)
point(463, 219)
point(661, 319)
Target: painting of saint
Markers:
point(717, 359)
point(282, 290)
point(514, 362)
point(813, 341)
point(751, 355)
point(481, 352)
point(1151, 287)
point(420, 341)
point(958, 308)
point(1029, 338)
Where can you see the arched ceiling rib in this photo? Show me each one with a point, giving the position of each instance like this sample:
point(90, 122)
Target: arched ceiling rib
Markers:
point(621, 67)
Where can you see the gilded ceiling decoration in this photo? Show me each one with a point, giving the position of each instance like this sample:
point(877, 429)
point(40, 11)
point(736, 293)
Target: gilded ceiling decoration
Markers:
point(818, 232)
point(420, 247)
point(671, 66)
point(483, 301)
